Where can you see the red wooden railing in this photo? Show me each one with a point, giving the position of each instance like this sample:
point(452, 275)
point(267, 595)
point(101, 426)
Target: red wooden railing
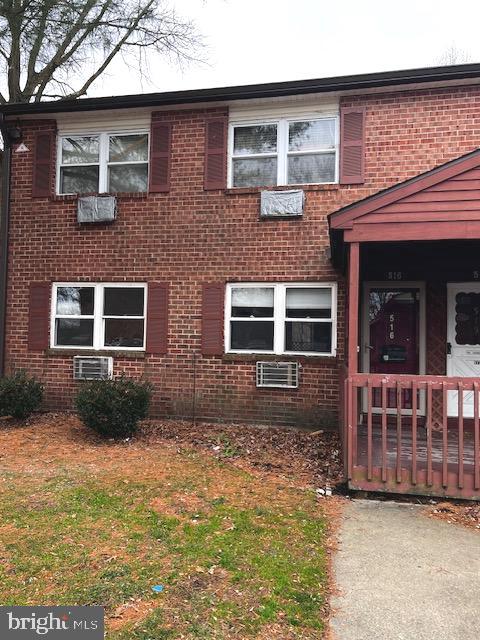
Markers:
point(419, 449)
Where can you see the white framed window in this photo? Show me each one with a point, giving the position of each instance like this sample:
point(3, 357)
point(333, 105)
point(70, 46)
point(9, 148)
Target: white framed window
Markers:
point(102, 163)
point(98, 316)
point(283, 151)
point(291, 318)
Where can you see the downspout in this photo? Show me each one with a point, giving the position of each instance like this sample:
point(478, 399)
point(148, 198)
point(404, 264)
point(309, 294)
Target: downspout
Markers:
point(4, 228)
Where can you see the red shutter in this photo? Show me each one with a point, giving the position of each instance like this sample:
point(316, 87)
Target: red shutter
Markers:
point(38, 315)
point(213, 300)
point(157, 318)
point(216, 130)
point(160, 156)
point(352, 145)
point(43, 156)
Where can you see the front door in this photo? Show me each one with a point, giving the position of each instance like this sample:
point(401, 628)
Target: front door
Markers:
point(463, 349)
point(392, 334)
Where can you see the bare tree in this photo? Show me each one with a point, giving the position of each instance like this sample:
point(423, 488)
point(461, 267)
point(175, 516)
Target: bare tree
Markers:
point(453, 55)
point(58, 48)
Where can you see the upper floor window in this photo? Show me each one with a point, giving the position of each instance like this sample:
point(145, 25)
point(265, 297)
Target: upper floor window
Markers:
point(103, 163)
point(284, 152)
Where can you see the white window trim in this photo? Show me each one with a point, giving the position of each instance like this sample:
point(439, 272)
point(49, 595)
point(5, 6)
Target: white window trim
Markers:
point(103, 156)
point(282, 152)
point(279, 316)
point(97, 317)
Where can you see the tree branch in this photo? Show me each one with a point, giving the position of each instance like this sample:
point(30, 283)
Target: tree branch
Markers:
point(104, 65)
point(42, 42)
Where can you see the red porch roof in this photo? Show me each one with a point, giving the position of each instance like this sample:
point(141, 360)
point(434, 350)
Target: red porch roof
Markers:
point(441, 204)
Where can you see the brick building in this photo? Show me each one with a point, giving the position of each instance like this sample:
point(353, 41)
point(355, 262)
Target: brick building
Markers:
point(200, 270)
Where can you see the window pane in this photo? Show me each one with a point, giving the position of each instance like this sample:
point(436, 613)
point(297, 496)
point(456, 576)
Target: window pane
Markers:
point(73, 332)
point(123, 333)
point(256, 139)
point(81, 150)
point(467, 318)
point(128, 178)
point(252, 302)
point(309, 303)
point(79, 180)
point(252, 336)
point(128, 148)
point(308, 336)
point(123, 301)
point(310, 136)
point(75, 301)
point(311, 168)
point(256, 172)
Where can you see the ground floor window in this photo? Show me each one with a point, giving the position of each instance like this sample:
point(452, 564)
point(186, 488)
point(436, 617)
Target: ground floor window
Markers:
point(297, 318)
point(98, 316)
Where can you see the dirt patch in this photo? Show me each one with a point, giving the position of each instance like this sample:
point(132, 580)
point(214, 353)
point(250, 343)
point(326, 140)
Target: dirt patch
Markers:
point(179, 505)
point(467, 515)
point(130, 613)
point(275, 632)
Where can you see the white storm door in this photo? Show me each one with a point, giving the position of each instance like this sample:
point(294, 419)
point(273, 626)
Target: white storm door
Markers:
point(463, 331)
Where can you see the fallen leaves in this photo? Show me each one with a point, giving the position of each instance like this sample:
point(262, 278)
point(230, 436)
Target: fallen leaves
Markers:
point(310, 457)
point(466, 514)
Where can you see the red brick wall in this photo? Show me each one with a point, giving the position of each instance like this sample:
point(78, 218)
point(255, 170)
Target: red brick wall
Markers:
point(190, 236)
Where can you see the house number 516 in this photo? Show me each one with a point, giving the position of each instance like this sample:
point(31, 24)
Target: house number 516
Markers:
point(394, 275)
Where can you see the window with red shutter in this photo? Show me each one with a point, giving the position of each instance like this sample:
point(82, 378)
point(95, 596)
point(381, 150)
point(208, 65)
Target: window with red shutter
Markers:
point(96, 316)
point(160, 156)
point(281, 318)
point(352, 145)
point(216, 132)
point(43, 160)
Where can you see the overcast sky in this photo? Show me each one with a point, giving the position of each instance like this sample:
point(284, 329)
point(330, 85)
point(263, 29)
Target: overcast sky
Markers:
point(251, 41)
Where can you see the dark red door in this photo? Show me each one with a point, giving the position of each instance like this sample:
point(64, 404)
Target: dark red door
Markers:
point(393, 346)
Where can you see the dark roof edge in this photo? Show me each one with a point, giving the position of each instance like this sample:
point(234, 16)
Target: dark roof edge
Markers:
point(244, 92)
point(399, 185)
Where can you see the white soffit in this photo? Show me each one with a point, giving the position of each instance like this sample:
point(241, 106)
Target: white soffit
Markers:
point(320, 104)
point(98, 121)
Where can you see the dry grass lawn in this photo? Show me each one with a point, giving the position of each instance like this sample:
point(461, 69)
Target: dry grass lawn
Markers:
point(240, 551)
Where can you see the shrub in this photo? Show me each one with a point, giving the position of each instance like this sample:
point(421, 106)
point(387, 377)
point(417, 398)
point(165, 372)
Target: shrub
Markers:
point(113, 408)
point(20, 395)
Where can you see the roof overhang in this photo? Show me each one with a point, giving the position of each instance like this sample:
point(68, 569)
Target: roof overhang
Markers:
point(403, 79)
point(441, 204)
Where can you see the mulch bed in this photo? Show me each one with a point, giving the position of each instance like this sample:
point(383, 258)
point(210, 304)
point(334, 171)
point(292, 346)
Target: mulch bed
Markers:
point(311, 458)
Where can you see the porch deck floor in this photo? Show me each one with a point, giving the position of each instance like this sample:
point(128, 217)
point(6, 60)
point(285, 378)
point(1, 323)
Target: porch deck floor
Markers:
point(407, 448)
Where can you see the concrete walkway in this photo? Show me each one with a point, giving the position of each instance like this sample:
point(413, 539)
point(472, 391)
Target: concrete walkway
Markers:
point(404, 576)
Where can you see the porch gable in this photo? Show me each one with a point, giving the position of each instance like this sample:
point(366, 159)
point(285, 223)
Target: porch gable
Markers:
point(443, 203)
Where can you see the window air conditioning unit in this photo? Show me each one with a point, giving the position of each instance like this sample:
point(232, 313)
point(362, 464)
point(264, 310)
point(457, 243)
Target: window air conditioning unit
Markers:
point(96, 209)
point(282, 204)
point(278, 374)
point(88, 368)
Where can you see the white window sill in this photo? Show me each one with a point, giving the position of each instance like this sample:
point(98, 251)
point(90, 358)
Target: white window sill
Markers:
point(73, 197)
point(325, 186)
point(268, 355)
point(124, 352)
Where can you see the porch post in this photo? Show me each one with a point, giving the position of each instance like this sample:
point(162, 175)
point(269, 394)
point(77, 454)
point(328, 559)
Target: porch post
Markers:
point(353, 307)
point(352, 355)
